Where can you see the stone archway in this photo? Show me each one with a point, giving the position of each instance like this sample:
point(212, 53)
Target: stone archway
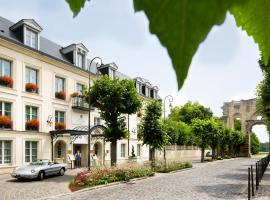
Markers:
point(60, 151)
point(249, 117)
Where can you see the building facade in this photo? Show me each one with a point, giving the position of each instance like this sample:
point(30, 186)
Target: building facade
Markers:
point(40, 87)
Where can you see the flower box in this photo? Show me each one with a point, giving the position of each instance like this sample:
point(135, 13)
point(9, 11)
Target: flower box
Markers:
point(31, 87)
point(60, 95)
point(6, 81)
point(74, 94)
point(32, 125)
point(5, 122)
point(59, 126)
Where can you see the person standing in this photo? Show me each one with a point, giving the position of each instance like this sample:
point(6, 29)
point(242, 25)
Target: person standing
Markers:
point(78, 158)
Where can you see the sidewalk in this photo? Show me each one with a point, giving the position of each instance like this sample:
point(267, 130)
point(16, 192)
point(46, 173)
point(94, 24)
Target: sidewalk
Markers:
point(263, 192)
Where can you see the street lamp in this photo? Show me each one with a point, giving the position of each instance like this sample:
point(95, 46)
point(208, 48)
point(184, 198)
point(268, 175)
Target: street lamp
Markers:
point(89, 109)
point(170, 98)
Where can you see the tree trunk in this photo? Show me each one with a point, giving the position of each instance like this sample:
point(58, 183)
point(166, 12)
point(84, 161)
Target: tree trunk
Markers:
point(153, 157)
point(113, 153)
point(202, 154)
point(165, 159)
point(213, 153)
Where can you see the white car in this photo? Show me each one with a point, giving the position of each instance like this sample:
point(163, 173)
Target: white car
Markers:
point(39, 170)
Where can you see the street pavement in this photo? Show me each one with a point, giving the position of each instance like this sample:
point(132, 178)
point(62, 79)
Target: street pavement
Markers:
point(226, 179)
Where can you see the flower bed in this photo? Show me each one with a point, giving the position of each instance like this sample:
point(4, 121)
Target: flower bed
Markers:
point(59, 126)
point(31, 87)
point(173, 166)
point(32, 124)
point(60, 95)
point(101, 176)
point(5, 122)
point(6, 81)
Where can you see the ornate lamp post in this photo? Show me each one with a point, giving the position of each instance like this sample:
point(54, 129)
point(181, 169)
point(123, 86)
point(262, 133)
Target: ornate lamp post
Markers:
point(170, 98)
point(89, 110)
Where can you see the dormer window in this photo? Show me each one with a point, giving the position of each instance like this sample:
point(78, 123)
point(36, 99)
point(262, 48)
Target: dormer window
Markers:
point(80, 60)
point(108, 69)
point(112, 73)
point(27, 30)
point(31, 38)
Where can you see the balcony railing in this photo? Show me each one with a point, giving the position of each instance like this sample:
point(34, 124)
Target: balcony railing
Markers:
point(79, 103)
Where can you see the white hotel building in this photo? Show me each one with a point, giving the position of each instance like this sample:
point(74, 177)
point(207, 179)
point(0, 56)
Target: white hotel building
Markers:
point(39, 83)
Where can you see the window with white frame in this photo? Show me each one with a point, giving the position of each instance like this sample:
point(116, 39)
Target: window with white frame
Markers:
point(59, 84)
point(80, 60)
point(31, 75)
point(59, 116)
point(139, 149)
point(31, 112)
point(5, 67)
point(31, 149)
point(5, 109)
point(97, 121)
point(5, 152)
point(31, 38)
point(123, 150)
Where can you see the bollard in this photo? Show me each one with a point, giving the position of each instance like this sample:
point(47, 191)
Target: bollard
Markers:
point(248, 183)
point(257, 177)
point(252, 182)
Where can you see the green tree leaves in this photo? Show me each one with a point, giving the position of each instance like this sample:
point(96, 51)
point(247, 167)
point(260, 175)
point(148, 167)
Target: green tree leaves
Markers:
point(181, 25)
point(254, 17)
point(76, 6)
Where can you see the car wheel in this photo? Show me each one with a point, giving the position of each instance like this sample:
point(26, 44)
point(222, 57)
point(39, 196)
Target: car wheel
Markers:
point(62, 172)
point(41, 175)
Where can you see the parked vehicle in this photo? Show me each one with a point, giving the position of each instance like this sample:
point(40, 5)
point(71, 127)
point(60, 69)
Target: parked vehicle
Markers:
point(39, 170)
point(208, 154)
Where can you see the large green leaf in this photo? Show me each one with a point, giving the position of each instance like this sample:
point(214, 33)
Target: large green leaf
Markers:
point(181, 25)
point(76, 6)
point(254, 17)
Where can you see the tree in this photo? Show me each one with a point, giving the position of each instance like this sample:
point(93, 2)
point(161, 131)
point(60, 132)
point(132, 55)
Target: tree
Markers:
point(215, 135)
point(185, 24)
point(201, 129)
point(225, 140)
point(237, 139)
point(237, 125)
point(114, 98)
point(254, 144)
point(152, 130)
point(190, 111)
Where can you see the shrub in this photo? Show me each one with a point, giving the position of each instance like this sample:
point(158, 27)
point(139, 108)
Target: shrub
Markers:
point(98, 176)
point(31, 87)
point(173, 166)
point(6, 81)
point(59, 125)
point(5, 122)
point(60, 95)
point(32, 124)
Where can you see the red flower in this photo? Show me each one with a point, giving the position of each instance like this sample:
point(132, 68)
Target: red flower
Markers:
point(32, 124)
point(59, 126)
point(60, 95)
point(5, 122)
point(31, 87)
point(6, 81)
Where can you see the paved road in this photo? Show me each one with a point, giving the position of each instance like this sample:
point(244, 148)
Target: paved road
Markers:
point(209, 181)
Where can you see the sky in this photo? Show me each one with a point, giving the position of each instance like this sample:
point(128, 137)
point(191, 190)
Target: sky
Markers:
point(224, 68)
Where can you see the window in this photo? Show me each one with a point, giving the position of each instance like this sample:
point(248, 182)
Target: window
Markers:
point(30, 75)
point(143, 90)
point(79, 88)
point(5, 152)
point(5, 68)
point(31, 113)
point(59, 116)
point(111, 73)
point(31, 38)
point(123, 150)
point(97, 121)
point(31, 151)
point(59, 84)
point(5, 109)
point(80, 60)
point(138, 149)
point(152, 94)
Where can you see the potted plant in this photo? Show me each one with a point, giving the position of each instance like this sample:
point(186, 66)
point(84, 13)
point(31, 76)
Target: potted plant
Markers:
point(133, 157)
point(32, 124)
point(60, 95)
point(5, 122)
point(74, 94)
point(59, 126)
point(6, 81)
point(31, 87)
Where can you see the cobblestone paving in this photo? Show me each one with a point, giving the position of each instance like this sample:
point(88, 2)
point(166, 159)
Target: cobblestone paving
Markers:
point(11, 189)
point(209, 181)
